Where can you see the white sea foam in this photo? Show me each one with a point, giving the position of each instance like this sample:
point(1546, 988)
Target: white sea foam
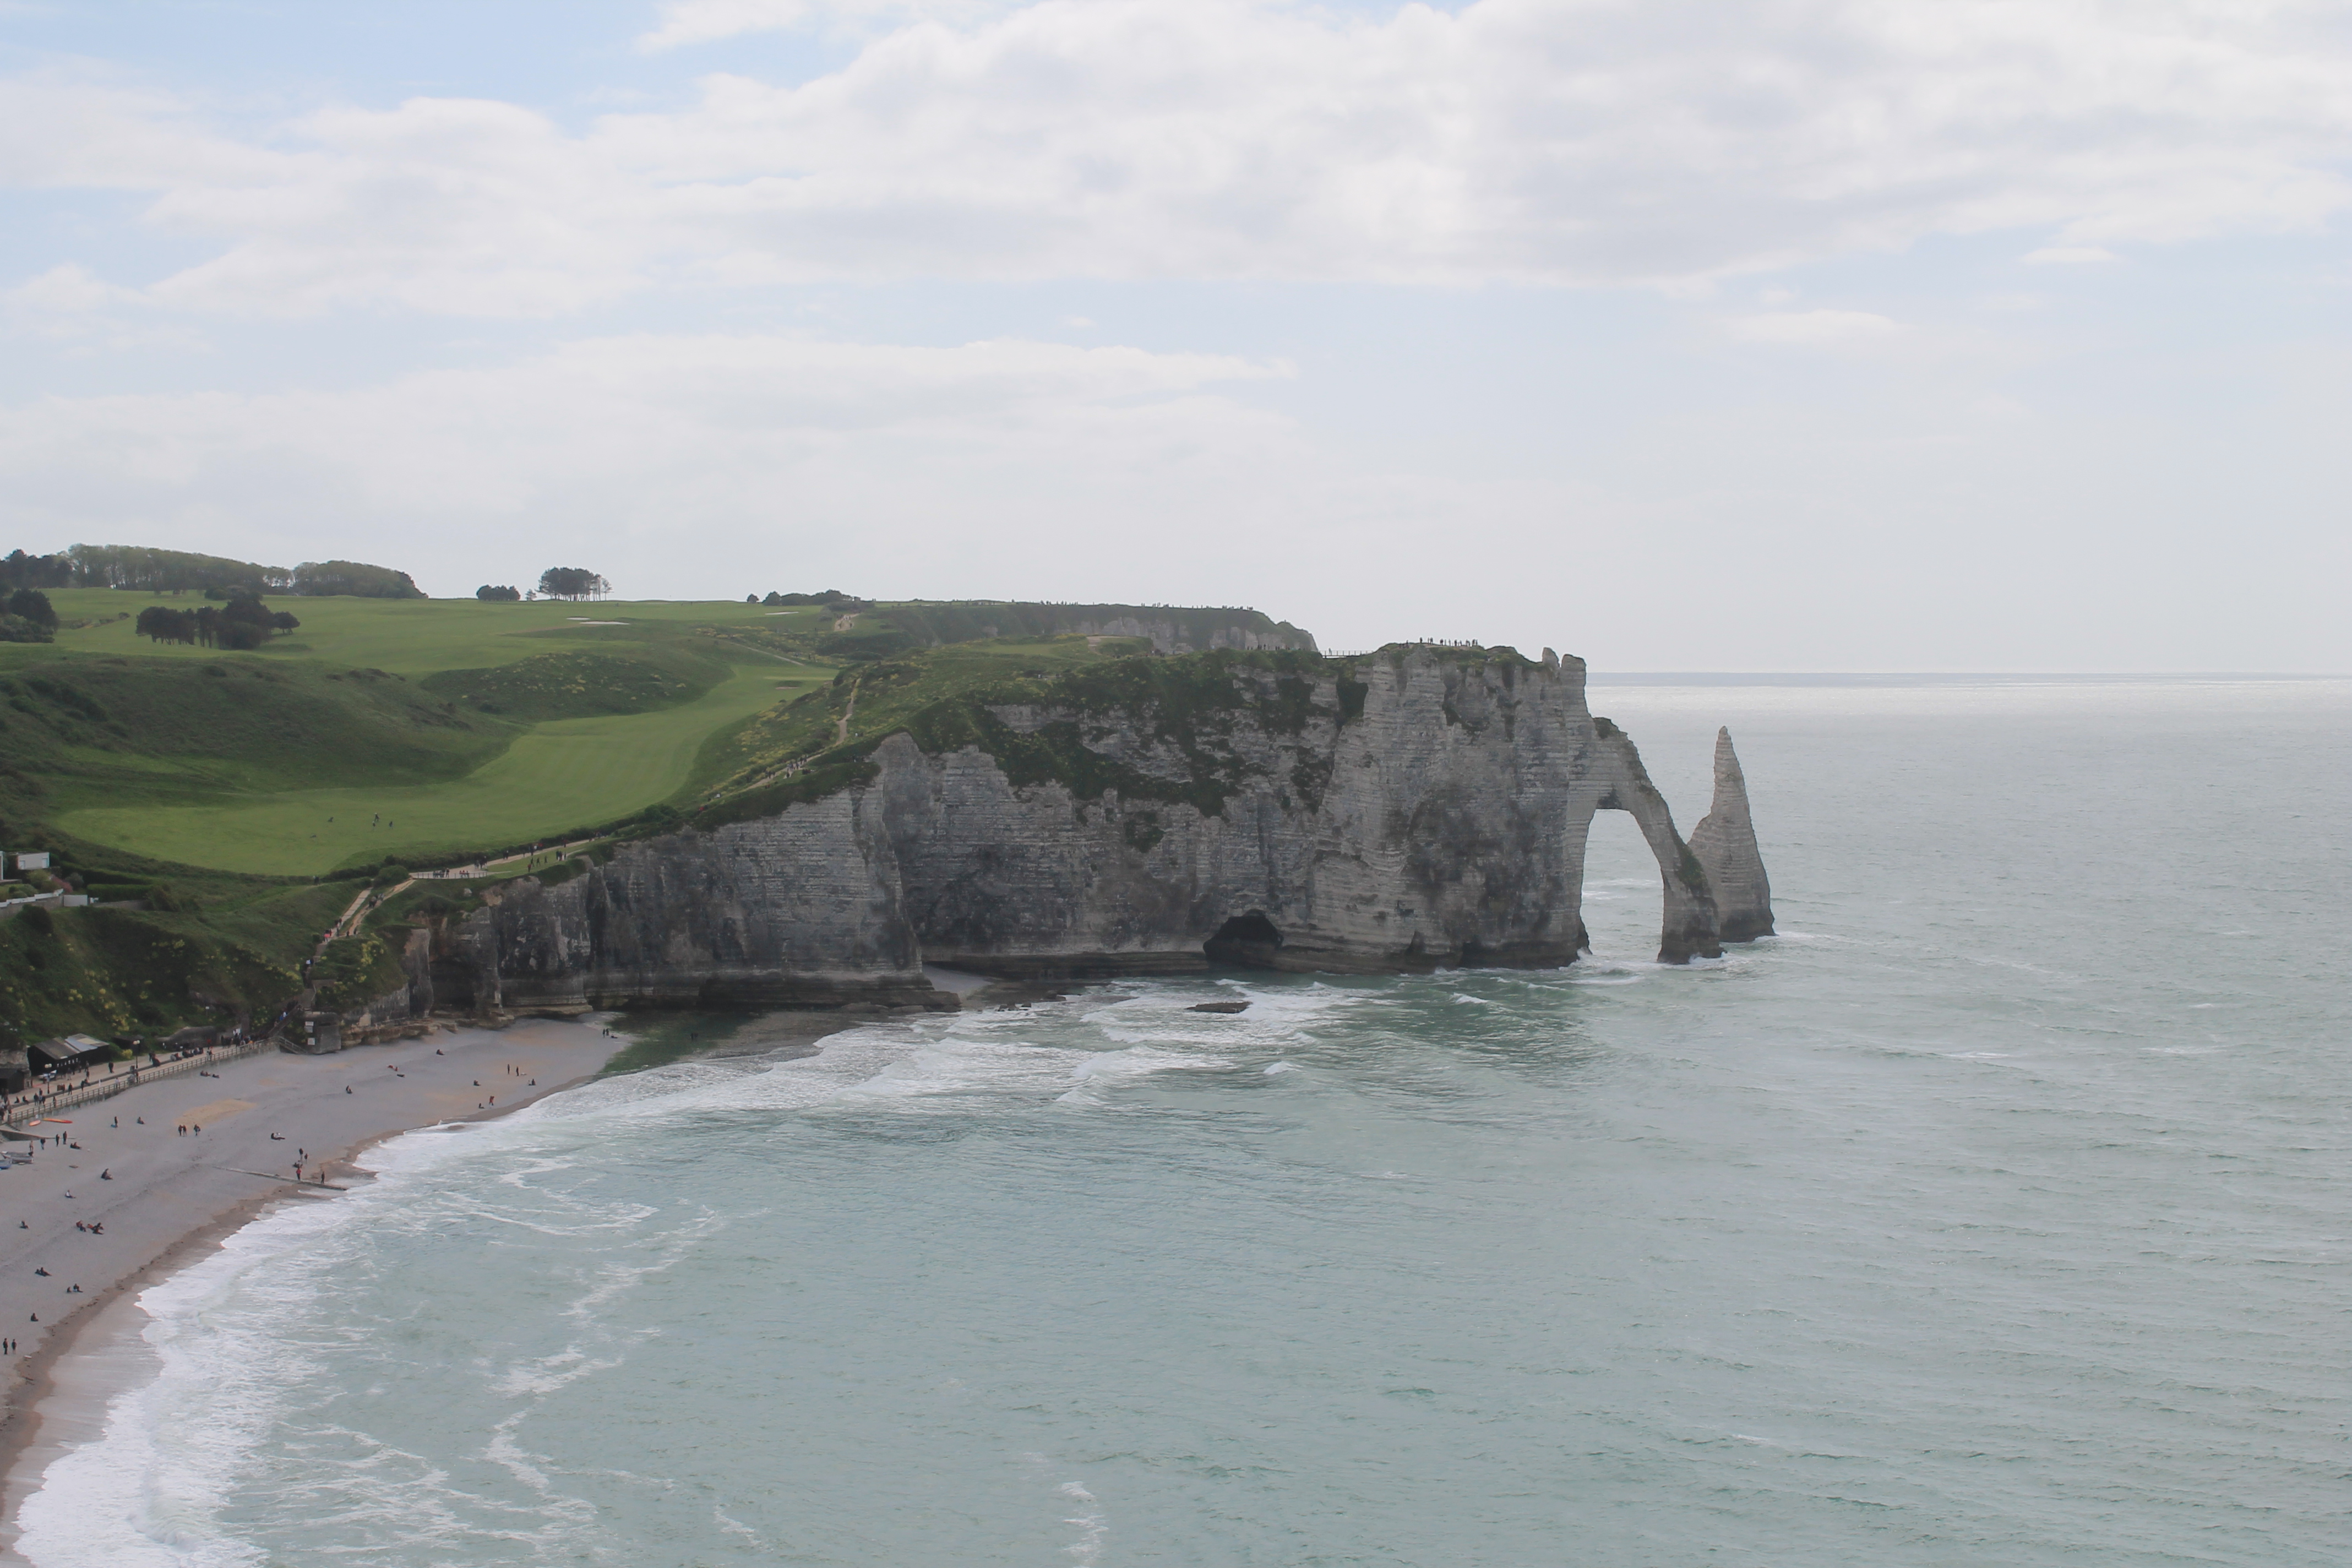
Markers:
point(232, 1332)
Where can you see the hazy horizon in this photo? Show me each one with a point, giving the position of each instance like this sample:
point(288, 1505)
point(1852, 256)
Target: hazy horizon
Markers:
point(1829, 338)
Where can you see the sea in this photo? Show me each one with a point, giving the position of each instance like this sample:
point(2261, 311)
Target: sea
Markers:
point(1993, 1213)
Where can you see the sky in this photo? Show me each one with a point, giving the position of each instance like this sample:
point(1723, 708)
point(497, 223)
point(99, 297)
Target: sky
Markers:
point(1679, 334)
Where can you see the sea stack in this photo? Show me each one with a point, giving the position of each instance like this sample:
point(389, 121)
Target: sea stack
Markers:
point(1725, 843)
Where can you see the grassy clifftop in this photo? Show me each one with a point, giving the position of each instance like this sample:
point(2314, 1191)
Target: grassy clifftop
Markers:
point(238, 794)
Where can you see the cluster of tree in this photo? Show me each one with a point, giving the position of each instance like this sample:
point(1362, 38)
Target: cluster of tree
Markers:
point(27, 615)
point(18, 570)
point(490, 591)
point(316, 579)
point(139, 566)
point(247, 623)
point(572, 582)
point(32, 605)
point(831, 597)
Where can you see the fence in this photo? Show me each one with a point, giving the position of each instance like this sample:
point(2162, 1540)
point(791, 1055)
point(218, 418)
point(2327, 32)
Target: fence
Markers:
point(27, 1107)
point(12, 908)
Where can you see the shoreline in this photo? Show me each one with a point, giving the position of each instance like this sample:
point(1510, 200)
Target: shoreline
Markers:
point(187, 1229)
point(39, 1396)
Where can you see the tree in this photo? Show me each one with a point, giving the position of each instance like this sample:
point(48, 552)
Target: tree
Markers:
point(572, 583)
point(486, 593)
point(32, 605)
point(18, 570)
point(159, 623)
point(283, 623)
point(355, 578)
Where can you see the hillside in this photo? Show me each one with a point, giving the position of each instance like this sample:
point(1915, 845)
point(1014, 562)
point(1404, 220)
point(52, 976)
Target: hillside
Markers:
point(242, 797)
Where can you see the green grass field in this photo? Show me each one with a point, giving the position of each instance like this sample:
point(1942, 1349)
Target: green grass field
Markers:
point(362, 735)
point(562, 775)
point(408, 636)
point(196, 791)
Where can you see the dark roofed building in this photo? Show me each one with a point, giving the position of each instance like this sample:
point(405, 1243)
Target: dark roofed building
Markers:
point(69, 1054)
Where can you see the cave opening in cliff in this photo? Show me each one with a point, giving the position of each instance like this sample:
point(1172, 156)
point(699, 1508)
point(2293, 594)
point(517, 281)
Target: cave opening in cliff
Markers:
point(1621, 896)
point(1250, 941)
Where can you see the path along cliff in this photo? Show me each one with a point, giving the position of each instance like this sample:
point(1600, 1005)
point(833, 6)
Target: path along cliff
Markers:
point(1412, 809)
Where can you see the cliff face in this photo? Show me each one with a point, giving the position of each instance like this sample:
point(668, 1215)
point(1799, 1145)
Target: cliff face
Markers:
point(1725, 843)
point(1407, 810)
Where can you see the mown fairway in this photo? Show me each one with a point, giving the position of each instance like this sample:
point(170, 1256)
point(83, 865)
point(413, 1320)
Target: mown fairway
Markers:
point(408, 636)
point(563, 775)
point(344, 804)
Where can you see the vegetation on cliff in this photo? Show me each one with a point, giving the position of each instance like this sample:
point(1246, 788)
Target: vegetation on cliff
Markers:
point(1035, 707)
point(226, 802)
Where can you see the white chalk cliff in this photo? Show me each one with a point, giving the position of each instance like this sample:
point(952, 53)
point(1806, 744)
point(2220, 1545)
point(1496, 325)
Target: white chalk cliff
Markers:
point(1407, 810)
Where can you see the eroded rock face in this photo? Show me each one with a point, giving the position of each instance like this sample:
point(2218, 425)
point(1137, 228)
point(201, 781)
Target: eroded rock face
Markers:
point(1725, 843)
point(1407, 810)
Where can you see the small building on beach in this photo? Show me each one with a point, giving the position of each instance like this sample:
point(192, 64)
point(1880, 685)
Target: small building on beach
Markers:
point(69, 1054)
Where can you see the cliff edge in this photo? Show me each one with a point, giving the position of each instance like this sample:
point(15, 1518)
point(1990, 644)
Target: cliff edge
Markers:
point(1412, 809)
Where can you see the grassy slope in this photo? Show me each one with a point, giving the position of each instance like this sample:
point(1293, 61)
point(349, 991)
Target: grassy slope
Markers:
point(408, 636)
point(461, 725)
point(559, 775)
point(469, 726)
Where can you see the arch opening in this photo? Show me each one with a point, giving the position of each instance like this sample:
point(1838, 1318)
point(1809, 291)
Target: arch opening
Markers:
point(1622, 902)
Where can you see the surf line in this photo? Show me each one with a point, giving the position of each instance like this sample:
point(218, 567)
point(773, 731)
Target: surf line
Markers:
point(289, 1181)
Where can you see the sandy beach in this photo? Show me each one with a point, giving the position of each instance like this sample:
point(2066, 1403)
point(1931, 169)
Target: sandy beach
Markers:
point(163, 1197)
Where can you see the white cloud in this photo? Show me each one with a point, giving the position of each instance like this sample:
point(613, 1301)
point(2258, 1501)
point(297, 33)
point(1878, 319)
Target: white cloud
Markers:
point(768, 452)
point(1814, 328)
point(2069, 256)
point(688, 22)
point(1548, 141)
point(70, 304)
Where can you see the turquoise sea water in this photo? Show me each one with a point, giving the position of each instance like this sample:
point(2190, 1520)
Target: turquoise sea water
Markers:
point(1996, 1214)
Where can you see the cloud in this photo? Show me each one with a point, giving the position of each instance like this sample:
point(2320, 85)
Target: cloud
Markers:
point(1830, 328)
point(688, 22)
point(1558, 142)
point(767, 453)
point(70, 304)
point(2069, 256)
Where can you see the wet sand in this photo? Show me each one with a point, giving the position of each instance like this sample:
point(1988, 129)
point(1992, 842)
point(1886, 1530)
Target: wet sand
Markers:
point(164, 1198)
